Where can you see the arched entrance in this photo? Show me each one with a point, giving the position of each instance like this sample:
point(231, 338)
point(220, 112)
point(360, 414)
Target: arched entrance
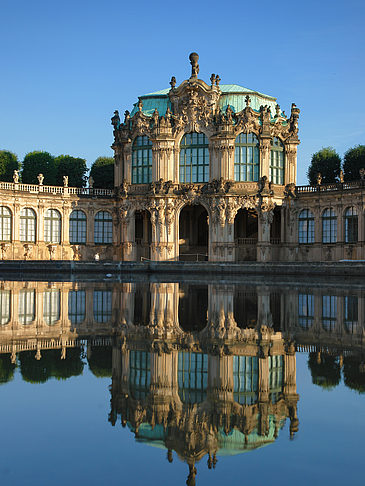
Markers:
point(193, 233)
point(142, 234)
point(245, 234)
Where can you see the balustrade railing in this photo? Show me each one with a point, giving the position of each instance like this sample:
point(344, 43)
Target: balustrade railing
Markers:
point(61, 190)
point(337, 186)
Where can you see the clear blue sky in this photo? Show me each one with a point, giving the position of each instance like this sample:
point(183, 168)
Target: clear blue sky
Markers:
point(66, 66)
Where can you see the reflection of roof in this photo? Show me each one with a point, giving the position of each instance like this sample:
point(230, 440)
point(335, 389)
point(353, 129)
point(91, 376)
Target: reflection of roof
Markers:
point(232, 94)
point(229, 444)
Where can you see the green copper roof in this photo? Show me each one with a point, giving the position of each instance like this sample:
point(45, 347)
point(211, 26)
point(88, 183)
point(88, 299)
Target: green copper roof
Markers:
point(232, 94)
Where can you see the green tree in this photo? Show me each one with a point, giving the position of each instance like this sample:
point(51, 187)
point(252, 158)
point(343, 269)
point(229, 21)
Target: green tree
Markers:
point(102, 171)
point(73, 167)
point(353, 161)
point(327, 162)
point(100, 361)
point(8, 163)
point(36, 163)
point(6, 368)
point(354, 377)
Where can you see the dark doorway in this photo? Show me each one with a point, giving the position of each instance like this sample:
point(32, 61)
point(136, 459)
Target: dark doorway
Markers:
point(142, 234)
point(245, 234)
point(193, 233)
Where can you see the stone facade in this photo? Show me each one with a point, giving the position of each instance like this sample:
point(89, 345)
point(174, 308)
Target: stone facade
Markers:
point(211, 176)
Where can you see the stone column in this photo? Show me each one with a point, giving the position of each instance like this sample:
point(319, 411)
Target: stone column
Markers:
point(222, 157)
point(264, 149)
point(221, 229)
point(265, 218)
point(127, 231)
point(290, 174)
point(163, 158)
point(164, 229)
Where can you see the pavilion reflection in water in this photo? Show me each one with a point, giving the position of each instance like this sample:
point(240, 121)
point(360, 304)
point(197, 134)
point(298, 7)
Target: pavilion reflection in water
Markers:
point(202, 370)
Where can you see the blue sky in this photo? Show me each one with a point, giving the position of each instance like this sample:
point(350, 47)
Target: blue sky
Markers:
point(66, 66)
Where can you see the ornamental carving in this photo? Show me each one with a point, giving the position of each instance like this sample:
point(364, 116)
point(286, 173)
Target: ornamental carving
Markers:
point(124, 212)
point(194, 112)
point(218, 208)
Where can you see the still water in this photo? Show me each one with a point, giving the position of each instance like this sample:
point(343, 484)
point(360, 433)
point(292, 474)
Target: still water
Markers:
point(159, 383)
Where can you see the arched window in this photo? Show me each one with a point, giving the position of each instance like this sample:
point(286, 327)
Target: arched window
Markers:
point(5, 224)
point(246, 157)
point(351, 313)
point(351, 225)
point(277, 161)
point(103, 228)
point(329, 226)
point(77, 227)
point(51, 306)
point(28, 223)
point(76, 306)
point(4, 307)
point(139, 373)
point(245, 379)
point(194, 158)
point(26, 306)
point(306, 226)
point(102, 305)
point(52, 226)
point(142, 160)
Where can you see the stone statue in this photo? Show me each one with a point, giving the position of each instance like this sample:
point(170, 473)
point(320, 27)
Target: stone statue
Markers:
point(91, 182)
point(319, 179)
point(217, 80)
point(277, 111)
point(124, 188)
point(65, 181)
point(212, 79)
point(16, 176)
point(155, 117)
point(115, 120)
point(127, 116)
point(173, 82)
point(194, 58)
point(248, 101)
point(40, 178)
point(140, 104)
point(362, 174)
point(342, 177)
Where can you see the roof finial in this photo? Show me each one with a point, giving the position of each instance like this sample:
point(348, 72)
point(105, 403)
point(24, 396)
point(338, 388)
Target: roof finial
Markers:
point(173, 82)
point(194, 58)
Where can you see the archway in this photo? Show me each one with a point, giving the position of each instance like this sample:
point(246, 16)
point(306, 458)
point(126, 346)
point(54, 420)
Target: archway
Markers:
point(142, 234)
point(193, 233)
point(245, 234)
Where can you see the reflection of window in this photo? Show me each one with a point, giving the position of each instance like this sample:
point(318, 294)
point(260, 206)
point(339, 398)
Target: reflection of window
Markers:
point(275, 376)
point(329, 226)
point(246, 157)
point(277, 161)
point(52, 226)
point(329, 312)
point(103, 227)
point(27, 225)
point(142, 160)
point(51, 306)
point(26, 306)
point(77, 227)
point(4, 307)
point(102, 305)
point(194, 158)
point(192, 376)
point(351, 313)
point(306, 226)
point(139, 373)
point(5, 224)
point(76, 306)
point(351, 225)
point(245, 379)
point(305, 310)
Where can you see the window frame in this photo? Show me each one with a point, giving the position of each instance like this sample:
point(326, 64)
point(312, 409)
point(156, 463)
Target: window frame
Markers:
point(6, 224)
point(103, 228)
point(194, 146)
point(142, 160)
point(52, 226)
point(241, 152)
point(277, 161)
point(351, 225)
point(306, 233)
point(78, 225)
point(329, 226)
point(27, 230)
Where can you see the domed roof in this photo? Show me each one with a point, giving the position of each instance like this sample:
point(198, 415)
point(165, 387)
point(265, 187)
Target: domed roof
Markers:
point(231, 94)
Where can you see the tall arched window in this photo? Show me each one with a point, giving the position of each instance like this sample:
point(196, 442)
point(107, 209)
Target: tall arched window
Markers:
point(194, 158)
point(246, 157)
point(28, 223)
point(277, 161)
point(305, 310)
point(351, 225)
point(329, 226)
point(77, 227)
point(26, 306)
point(192, 376)
point(245, 379)
point(102, 303)
point(76, 306)
point(103, 228)
point(306, 226)
point(5, 224)
point(4, 307)
point(142, 160)
point(329, 312)
point(52, 226)
point(51, 306)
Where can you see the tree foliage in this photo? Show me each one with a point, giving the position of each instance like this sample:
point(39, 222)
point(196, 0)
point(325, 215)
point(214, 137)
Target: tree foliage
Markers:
point(73, 167)
point(326, 373)
point(327, 162)
point(100, 361)
point(102, 171)
point(6, 368)
point(353, 161)
point(35, 163)
point(8, 163)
